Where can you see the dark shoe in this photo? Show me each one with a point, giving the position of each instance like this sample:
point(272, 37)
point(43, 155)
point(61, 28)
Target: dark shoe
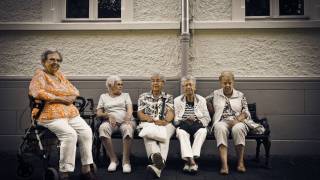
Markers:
point(154, 171)
point(88, 176)
point(158, 161)
point(63, 176)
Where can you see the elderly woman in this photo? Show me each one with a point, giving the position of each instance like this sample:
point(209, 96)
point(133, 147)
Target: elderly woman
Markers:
point(116, 108)
point(156, 107)
point(230, 113)
point(60, 115)
point(191, 118)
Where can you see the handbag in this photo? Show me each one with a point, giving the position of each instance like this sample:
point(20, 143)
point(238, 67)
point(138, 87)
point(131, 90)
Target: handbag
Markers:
point(153, 131)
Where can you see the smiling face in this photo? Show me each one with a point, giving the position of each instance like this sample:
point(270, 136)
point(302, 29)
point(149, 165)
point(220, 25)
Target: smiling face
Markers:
point(52, 63)
point(157, 84)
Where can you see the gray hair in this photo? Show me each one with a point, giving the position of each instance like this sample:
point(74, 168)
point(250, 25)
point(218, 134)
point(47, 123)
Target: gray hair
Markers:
point(187, 78)
point(44, 55)
point(158, 75)
point(111, 81)
point(226, 73)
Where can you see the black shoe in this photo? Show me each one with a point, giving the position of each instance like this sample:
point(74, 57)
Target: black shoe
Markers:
point(158, 161)
point(88, 176)
point(154, 171)
point(63, 176)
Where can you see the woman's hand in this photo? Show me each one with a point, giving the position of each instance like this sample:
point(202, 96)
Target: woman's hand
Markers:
point(160, 122)
point(112, 120)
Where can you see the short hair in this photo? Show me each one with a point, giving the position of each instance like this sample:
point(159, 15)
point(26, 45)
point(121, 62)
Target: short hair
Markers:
point(188, 78)
point(158, 75)
point(111, 81)
point(226, 73)
point(44, 55)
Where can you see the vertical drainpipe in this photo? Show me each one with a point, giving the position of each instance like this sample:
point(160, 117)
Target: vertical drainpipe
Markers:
point(185, 37)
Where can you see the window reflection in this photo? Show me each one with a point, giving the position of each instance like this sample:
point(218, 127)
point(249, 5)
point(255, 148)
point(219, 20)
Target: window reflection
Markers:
point(109, 9)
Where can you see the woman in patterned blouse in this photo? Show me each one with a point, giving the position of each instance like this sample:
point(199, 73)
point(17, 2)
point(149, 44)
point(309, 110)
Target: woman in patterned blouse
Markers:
point(60, 116)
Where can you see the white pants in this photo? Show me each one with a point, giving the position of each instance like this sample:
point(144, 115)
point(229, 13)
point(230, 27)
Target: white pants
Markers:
point(153, 146)
point(68, 131)
point(188, 151)
point(238, 132)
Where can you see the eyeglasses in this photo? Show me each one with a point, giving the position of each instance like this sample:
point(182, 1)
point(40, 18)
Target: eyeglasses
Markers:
point(52, 60)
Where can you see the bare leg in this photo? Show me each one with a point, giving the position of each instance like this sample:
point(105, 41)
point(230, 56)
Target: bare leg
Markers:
point(85, 168)
point(107, 143)
point(223, 152)
point(126, 150)
point(240, 154)
point(190, 161)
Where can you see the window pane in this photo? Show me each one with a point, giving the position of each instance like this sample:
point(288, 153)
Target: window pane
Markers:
point(257, 7)
point(109, 9)
point(77, 9)
point(291, 7)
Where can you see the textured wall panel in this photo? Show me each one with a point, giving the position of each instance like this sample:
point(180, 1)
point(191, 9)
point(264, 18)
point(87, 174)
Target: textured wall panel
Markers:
point(257, 53)
point(212, 10)
point(156, 10)
point(20, 10)
point(93, 53)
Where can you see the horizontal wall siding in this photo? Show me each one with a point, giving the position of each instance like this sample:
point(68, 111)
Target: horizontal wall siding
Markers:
point(290, 106)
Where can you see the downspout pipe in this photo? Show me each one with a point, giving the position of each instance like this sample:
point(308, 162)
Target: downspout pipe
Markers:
point(185, 37)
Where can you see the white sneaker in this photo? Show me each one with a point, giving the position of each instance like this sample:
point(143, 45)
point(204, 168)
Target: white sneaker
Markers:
point(113, 166)
point(155, 171)
point(193, 168)
point(186, 168)
point(126, 168)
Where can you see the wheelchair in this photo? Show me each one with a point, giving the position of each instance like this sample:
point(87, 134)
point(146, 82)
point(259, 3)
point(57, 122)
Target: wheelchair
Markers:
point(38, 141)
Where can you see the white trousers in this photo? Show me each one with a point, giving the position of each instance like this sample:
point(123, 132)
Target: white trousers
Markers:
point(68, 131)
point(238, 132)
point(188, 151)
point(153, 146)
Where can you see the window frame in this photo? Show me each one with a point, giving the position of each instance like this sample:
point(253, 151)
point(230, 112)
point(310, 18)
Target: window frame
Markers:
point(275, 12)
point(93, 13)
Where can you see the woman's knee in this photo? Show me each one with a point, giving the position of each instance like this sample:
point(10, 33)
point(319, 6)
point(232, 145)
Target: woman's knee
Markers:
point(86, 134)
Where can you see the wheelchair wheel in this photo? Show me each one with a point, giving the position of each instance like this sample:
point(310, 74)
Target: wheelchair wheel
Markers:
point(51, 174)
point(24, 170)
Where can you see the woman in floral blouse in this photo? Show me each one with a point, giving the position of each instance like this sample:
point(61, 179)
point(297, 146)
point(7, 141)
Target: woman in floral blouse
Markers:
point(60, 116)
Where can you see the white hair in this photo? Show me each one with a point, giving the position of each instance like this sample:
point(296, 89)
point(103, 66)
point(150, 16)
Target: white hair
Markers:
point(111, 81)
point(188, 78)
point(158, 75)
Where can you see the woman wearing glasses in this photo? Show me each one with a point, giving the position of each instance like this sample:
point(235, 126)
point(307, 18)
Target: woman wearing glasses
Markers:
point(115, 107)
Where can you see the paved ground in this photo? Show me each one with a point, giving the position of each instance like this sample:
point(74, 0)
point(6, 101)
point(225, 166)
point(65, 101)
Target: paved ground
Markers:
point(283, 168)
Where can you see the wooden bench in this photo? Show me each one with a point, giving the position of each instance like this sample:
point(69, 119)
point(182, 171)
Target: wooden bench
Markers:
point(263, 139)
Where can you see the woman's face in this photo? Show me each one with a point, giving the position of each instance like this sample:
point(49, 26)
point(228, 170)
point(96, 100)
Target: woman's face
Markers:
point(117, 88)
point(227, 84)
point(156, 83)
point(52, 63)
point(189, 87)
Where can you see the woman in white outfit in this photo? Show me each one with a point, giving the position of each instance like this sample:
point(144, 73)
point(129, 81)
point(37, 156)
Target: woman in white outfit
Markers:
point(191, 119)
point(116, 109)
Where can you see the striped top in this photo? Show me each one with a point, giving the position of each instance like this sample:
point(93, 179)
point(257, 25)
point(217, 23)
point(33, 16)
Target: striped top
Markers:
point(189, 110)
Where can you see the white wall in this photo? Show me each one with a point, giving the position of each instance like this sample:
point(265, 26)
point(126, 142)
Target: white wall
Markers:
point(212, 10)
point(96, 53)
point(256, 53)
point(20, 10)
point(157, 10)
